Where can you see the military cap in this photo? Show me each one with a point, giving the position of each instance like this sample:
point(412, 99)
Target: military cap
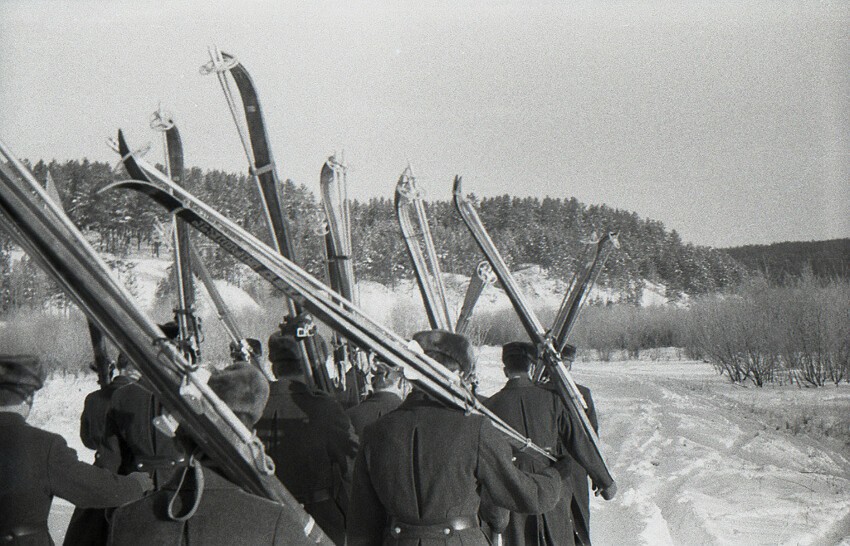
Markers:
point(244, 389)
point(23, 374)
point(452, 350)
point(518, 355)
point(283, 347)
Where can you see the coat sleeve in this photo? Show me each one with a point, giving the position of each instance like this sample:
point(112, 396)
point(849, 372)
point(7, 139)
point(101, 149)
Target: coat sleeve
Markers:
point(342, 448)
point(84, 485)
point(581, 449)
point(507, 486)
point(367, 516)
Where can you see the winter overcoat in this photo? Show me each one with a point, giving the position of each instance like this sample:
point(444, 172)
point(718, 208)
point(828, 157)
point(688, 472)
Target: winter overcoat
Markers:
point(132, 443)
point(35, 466)
point(226, 516)
point(368, 411)
point(424, 464)
point(313, 445)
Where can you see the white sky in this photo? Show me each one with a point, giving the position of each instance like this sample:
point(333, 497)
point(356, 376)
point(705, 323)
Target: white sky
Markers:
point(728, 121)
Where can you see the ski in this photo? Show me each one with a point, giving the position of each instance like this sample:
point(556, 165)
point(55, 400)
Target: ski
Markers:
point(262, 169)
point(184, 313)
point(595, 462)
point(580, 287)
point(103, 365)
point(319, 299)
point(238, 343)
point(482, 277)
point(43, 230)
point(340, 270)
point(426, 266)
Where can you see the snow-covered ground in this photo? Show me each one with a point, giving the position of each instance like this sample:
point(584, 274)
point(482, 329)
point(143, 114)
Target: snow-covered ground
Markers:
point(697, 460)
point(694, 460)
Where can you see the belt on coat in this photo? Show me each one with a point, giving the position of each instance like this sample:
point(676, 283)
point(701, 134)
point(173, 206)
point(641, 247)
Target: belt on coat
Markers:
point(313, 497)
point(440, 529)
point(150, 464)
point(8, 536)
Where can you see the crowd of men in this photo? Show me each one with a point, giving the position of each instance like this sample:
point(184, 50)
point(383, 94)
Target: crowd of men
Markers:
point(397, 468)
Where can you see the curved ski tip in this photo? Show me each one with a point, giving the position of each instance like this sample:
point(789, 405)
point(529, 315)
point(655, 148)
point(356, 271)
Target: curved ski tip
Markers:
point(457, 188)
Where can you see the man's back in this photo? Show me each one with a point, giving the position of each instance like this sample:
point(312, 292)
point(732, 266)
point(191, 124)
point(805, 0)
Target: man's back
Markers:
point(540, 415)
point(425, 463)
point(132, 442)
point(373, 408)
point(36, 465)
point(226, 515)
point(313, 445)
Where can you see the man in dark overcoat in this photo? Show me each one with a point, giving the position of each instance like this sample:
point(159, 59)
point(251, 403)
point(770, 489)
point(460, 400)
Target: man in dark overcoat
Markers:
point(36, 465)
point(309, 437)
point(422, 469)
point(539, 413)
point(131, 441)
point(88, 526)
point(200, 506)
point(389, 390)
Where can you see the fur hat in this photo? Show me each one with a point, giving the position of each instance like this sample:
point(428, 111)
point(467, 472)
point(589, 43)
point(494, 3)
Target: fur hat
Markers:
point(518, 356)
point(452, 350)
point(244, 389)
point(22, 374)
point(283, 347)
point(170, 329)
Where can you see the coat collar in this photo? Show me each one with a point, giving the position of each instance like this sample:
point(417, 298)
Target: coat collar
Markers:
point(519, 383)
point(10, 418)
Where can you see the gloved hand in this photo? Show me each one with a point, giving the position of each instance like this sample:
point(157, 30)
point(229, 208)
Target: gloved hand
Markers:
point(606, 493)
point(144, 480)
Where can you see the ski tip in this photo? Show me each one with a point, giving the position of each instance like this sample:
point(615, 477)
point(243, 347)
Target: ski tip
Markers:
point(457, 188)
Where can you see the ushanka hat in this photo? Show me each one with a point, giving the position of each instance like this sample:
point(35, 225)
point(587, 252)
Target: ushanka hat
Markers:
point(23, 374)
point(244, 389)
point(518, 355)
point(452, 350)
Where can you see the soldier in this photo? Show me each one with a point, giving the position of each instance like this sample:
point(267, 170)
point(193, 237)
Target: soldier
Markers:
point(390, 389)
point(38, 465)
point(89, 525)
point(422, 470)
point(540, 414)
point(200, 505)
point(132, 441)
point(309, 437)
point(580, 503)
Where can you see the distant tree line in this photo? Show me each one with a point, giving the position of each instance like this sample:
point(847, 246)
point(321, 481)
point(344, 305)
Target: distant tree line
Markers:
point(782, 263)
point(549, 232)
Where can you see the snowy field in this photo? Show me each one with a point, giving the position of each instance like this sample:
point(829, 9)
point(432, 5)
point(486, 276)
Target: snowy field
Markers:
point(695, 459)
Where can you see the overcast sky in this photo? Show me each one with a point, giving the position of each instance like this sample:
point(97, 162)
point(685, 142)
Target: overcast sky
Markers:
point(727, 121)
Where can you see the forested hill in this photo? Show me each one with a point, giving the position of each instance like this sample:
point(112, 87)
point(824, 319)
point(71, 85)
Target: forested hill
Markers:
point(551, 233)
point(779, 261)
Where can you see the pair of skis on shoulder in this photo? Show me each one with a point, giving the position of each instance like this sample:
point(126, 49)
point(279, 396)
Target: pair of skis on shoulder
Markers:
point(416, 232)
point(255, 142)
point(313, 295)
point(43, 230)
